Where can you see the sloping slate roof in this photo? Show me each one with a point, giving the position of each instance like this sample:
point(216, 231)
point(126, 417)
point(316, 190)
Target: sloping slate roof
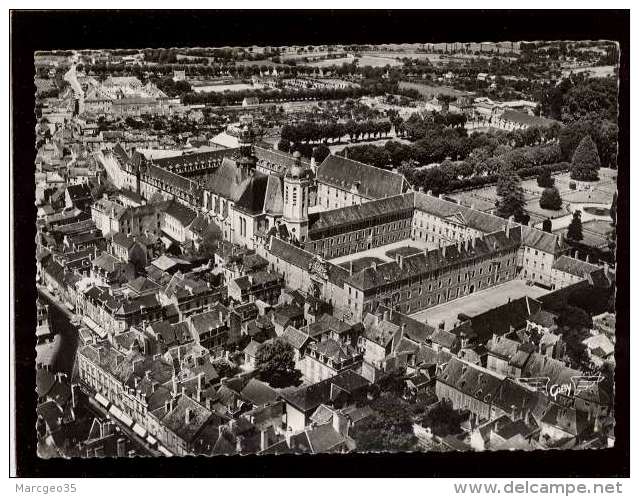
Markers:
point(229, 181)
point(176, 180)
point(500, 319)
point(359, 213)
point(273, 198)
point(281, 161)
point(106, 261)
point(481, 221)
point(258, 392)
point(183, 214)
point(541, 240)
point(470, 379)
point(343, 173)
point(574, 266)
point(502, 346)
point(78, 191)
point(251, 201)
point(324, 438)
point(295, 337)
point(290, 253)
point(175, 420)
point(196, 159)
point(435, 259)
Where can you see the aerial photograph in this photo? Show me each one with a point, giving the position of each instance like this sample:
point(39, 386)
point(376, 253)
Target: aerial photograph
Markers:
point(308, 249)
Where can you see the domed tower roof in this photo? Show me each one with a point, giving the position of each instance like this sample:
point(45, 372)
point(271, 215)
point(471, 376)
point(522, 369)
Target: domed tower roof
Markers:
point(298, 170)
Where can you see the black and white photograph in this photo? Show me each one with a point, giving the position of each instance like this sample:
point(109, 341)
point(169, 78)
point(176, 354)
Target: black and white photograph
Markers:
point(321, 247)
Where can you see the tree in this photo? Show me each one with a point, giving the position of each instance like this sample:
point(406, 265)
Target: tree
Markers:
point(320, 153)
point(390, 428)
point(545, 180)
point(275, 361)
point(550, 199)
point(585, 161)
point(511, 194)
point(547, 225)
point(284, 145)
point(575, 231)
point(443, 420)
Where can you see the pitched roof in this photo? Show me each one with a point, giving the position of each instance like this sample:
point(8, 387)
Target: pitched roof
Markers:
point(358, 213)
point(432, 260)
point(574, 266)
point(258, 393)
point(481, 221)
point(371, 182)
point(183, 214)
point(295, 337)
point(541, 240)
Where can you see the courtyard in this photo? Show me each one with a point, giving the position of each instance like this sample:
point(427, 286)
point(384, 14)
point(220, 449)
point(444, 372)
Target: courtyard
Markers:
point(477, 303)
point(384, 253)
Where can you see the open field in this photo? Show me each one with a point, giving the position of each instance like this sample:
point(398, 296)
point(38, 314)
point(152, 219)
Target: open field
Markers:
point(365, 60)
point(222, 88)
point(477, 303)
point(598, 192)
point(429, 91)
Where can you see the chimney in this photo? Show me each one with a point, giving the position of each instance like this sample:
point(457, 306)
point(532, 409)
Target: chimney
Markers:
point(400, 261)
point(472, 242)
point(340, 423)
point(121, 447)
point(444, 251)
point(507, 229)
point(350, 268)
point(374, 265)
point(174, 384)
point(512, 412)
point(188, 416)
point(75, 391)
point(386, 318)
point(264, 443)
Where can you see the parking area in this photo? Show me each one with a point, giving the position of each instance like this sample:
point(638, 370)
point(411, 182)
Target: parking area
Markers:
point(477, 303)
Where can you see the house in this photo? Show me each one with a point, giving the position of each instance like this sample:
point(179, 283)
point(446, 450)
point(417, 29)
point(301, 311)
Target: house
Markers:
point(299, 341)
point(340, 390)
point(287, 315)
point(568, 270)
point(262, 285)
point(600, 349)
point(327, 358)
point(78, 196)
point(128, 249)
point(210, 329)
point(111, 271)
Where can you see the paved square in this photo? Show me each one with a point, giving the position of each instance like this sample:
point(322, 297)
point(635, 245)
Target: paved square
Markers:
point(477, 303)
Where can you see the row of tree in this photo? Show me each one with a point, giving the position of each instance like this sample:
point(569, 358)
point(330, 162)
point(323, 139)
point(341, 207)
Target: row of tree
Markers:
point(310, 131)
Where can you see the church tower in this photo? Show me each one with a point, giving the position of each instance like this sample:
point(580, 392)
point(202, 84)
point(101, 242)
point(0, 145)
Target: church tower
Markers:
point(296, 185)
point(246, 159)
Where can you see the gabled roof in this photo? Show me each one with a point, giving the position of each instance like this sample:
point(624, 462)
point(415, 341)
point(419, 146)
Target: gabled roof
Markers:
point(573, 266)
point(371, 182)
point(183, 214)
point(258, 393)
point(481, 221)
point(432, 260)
point(359, 213)
point(295, 337)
